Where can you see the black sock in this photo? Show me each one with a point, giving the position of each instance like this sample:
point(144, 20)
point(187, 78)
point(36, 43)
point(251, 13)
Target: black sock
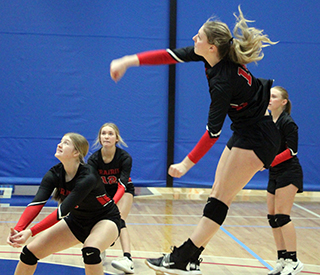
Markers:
point(183, 252)
point(282, 254)
point(128, 255)
point(292, 255)
point(197, 254)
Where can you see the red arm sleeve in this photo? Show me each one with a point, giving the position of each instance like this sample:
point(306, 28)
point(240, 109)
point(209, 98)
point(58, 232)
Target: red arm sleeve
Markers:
point(285, 155)
point(118, 195)
point(45, 223)
point(28, 215)
point(202, 147)
point(158, 57)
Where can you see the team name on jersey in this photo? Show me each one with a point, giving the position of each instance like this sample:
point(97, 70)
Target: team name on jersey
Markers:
point(103, 172)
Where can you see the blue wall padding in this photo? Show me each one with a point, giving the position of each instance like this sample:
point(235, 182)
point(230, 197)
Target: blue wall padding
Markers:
point(55, 58)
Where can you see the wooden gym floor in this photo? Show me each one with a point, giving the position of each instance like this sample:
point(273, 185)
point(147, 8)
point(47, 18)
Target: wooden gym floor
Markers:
point(163, 217)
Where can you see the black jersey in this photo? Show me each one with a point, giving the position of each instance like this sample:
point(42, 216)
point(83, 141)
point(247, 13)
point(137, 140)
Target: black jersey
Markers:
point(83, 196)
point(114, 172)
point(233, 90)
point(289, 140)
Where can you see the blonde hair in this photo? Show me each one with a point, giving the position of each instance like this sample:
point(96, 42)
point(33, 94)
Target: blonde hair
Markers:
point(246, 45)
point(118, 136)
point(284, 95)
point(80, 143)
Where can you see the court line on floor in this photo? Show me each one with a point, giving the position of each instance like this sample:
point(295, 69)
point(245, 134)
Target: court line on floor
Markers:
point(179, 215)
point(137, 258)
point(307, 210)
point(246, 248)
point(210, 262)
point(179, 224)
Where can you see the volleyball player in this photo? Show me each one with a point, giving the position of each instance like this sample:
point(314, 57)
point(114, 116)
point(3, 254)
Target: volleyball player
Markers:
point(285, 180)
point(114, 167)
point(85, 213)
point(235, 92)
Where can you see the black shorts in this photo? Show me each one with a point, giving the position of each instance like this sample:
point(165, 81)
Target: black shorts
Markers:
point(291, 175)
point(263, 138)
point(81, 227)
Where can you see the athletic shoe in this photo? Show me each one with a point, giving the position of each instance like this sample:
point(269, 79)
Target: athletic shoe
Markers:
point(292, 268)
point(123, 264)
point(195, 266)
point(167, 266)
point(278, 267)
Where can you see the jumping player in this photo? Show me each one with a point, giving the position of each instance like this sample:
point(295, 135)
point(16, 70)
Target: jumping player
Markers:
point(85, 212)
point(235, 92)
point(114, 167)
point(285, 180)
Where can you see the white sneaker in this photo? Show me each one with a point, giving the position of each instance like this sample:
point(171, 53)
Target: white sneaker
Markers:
point(123, 264)
point(280, 263)
point(291, 267)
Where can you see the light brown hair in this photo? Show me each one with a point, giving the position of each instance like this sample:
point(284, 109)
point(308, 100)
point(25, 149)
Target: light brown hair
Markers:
point(284, 95)
point(246, 45)
point(81, 144)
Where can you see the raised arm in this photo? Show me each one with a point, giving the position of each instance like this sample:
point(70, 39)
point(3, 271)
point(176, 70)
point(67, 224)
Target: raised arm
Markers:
point(118, 67)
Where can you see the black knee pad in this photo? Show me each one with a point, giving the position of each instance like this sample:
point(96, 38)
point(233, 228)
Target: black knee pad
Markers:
point(282, 219)
point(272, 221)
point(122, 224)
point(215, 210)
point(91, 255)
point(28, 257)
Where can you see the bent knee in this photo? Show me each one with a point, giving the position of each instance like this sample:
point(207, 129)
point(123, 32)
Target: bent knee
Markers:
point(27, 257)
point(91, 255)
point(215, 210)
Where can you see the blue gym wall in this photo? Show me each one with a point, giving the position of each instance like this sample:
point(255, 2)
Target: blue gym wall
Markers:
point(55, 58)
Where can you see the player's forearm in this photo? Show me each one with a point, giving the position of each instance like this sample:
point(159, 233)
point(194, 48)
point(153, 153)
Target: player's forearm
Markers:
point(131, 60)
point(187, 163)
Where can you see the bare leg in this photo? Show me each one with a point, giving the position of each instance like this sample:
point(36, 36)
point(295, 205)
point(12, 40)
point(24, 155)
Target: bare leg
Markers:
point(124, 206)
point(284, 199)
point(56, 238)
point(125, 240)
point(235, 169)
point(277, 234)
point(102, 235)
point(25, 269)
